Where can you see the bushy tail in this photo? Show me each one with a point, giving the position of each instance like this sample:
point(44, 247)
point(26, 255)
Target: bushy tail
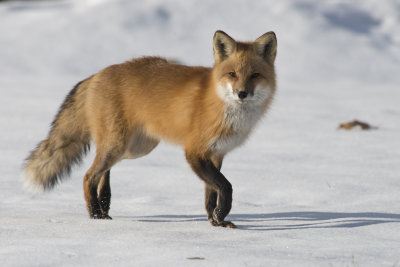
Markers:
point(68, 141)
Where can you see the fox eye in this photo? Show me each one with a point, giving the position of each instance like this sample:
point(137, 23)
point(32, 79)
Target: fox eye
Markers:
point(232, 74)
point(255, 75)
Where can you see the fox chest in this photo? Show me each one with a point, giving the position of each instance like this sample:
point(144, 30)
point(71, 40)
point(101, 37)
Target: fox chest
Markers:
point(224, 144)
point(240, 121)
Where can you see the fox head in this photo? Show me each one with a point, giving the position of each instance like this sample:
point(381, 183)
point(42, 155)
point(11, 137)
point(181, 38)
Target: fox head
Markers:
point(244, 71)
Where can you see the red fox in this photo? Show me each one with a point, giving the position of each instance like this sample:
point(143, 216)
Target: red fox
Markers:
point(126, 109)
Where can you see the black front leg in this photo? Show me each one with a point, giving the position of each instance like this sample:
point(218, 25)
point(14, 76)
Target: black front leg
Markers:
point(215, 182)
point(211, 197)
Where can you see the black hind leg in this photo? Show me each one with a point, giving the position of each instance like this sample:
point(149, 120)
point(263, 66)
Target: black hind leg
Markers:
point(104, 195)
point(96, 182)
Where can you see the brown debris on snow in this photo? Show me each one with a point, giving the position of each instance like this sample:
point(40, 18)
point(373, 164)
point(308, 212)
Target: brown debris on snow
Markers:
point(351, 124)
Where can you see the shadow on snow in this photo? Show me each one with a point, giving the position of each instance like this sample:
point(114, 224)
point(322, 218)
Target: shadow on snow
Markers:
point(287, 220)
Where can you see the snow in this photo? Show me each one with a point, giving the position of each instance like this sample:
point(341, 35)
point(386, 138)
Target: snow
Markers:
point(305, 193)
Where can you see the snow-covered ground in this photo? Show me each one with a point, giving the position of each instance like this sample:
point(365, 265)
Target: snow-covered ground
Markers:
point(305, 193)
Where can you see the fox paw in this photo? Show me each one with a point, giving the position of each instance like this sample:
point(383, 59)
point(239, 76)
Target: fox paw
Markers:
point(225, 224)
point(101, 216)
point(106, 217)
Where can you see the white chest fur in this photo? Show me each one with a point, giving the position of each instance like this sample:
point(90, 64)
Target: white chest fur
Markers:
point(240, 118)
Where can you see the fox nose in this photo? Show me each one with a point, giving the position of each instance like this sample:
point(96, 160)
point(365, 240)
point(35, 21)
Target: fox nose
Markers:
point(242, 94)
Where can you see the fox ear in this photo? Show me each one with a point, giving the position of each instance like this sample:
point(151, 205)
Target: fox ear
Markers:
point(266, 46)
point(224, 46)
